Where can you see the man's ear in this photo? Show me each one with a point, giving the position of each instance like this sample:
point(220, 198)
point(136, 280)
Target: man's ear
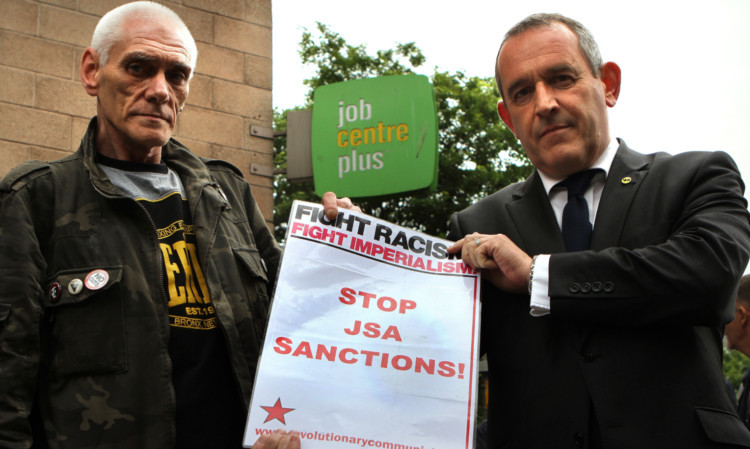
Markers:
point(90, 71)
point(502, 110)
point(611, 78)
point(741, 315)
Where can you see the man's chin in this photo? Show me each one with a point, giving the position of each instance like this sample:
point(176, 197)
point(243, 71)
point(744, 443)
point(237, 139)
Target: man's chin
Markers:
point(153, 137)
point(151, 124)
point(559, 137)
point(562, 162)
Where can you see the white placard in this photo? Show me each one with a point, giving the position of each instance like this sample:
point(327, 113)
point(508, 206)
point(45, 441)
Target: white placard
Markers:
point(372, 338)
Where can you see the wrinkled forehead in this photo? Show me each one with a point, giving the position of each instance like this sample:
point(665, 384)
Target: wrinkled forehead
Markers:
point(535, 45)
point(163, 40)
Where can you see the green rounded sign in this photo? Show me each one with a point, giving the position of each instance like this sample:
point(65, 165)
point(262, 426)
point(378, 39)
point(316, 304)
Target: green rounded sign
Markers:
point(375, 136)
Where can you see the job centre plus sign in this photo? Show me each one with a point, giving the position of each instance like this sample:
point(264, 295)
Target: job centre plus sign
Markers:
point(361, 137)
point(374, 136)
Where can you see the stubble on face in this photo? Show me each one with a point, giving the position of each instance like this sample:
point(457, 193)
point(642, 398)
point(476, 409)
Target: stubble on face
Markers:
point(141, 90)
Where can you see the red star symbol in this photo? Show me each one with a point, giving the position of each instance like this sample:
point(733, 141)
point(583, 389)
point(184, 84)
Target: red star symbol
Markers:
point(276, 412)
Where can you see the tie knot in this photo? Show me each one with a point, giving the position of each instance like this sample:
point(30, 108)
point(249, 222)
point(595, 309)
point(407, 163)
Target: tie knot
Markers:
point(578, 182)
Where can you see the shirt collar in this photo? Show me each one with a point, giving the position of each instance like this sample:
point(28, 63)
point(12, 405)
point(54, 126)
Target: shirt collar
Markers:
point(604, 162)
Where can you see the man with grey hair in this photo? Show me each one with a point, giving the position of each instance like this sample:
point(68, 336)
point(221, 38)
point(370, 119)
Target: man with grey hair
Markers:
point(608, 274)
point(135, 274)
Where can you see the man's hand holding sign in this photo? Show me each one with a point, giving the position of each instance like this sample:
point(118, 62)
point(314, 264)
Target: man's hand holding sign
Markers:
point(278, 439)
point(504, 263)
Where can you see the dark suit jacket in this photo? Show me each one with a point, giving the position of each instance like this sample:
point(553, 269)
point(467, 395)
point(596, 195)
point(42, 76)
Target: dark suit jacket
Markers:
point(636, 323)
point(742, 402)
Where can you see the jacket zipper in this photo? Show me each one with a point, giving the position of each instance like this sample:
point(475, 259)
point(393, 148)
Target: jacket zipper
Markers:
point(164, 312)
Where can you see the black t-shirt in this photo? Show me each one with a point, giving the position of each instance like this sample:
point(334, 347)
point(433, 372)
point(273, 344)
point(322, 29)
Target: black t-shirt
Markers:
point(209, 409)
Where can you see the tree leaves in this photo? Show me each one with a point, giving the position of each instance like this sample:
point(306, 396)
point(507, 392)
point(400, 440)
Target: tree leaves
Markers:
point(478, 154)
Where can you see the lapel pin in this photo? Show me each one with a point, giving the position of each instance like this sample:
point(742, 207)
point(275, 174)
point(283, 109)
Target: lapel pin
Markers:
point(626, 180)
point(55, 291)
point(75, 286)
point(96, 279)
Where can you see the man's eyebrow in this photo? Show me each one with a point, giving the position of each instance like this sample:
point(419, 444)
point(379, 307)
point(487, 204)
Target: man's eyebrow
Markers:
point(560, 68)
point(547, 72)
point(181, 66)
point(139, 56)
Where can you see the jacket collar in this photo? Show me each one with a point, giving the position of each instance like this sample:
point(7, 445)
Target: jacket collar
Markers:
point(193, 172)
point(535, 220)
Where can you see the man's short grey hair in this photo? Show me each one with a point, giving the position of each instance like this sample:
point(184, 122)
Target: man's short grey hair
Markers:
point(108, 31)
point(586, 41)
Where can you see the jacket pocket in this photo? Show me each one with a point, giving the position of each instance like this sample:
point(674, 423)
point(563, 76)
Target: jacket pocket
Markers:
point(723, 427)
point(85, 323)
point(255, 282)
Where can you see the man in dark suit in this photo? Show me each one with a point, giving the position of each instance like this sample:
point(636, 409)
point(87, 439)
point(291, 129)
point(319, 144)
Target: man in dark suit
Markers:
point(738, 338)
point(611, 339)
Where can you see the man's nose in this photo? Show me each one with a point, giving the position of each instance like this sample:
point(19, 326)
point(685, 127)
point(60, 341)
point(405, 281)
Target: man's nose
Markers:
point(546, 101)
point(158, 88)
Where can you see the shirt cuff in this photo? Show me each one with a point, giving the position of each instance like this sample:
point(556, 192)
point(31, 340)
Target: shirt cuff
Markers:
point(540, 301)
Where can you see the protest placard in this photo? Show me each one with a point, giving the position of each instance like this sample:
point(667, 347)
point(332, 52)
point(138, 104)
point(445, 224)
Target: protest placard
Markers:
point(372, 338)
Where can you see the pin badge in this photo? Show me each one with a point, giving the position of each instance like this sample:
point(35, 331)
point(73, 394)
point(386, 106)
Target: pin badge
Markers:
point(96, 279)
point(626, 180)
point(75, 286)
point(55, 290)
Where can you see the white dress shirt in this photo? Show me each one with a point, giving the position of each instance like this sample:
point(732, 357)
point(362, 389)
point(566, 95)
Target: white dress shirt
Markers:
point(558, 197)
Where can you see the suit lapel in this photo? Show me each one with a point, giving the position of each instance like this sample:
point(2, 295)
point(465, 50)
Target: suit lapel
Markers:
point(539, 233)
point(534, 218)
point(625, 177)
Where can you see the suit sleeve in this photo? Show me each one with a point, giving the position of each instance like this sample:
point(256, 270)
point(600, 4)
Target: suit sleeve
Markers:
point(683, 270)
point(454, 231)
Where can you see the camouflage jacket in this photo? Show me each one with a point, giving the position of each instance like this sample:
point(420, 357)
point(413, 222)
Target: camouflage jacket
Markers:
point(91, 369)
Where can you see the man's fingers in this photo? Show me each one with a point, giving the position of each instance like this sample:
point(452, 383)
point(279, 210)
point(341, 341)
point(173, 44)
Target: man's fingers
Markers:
point(290, 441)
point(346, 203)
point(456, 247)
point(279, 439)
point(504, 263)
point(469, 249)
point(459, 245)
point(331, 205)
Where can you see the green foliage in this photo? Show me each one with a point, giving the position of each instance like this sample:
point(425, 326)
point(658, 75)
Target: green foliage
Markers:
point(735, 365)
point(338, 61)
point(478, 154)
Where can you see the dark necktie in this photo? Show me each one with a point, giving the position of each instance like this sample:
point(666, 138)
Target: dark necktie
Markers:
point(576, 227)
